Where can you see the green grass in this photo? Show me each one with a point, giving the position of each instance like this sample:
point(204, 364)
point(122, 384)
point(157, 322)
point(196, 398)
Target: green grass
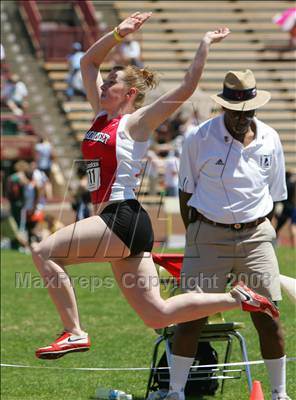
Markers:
point(119, 338)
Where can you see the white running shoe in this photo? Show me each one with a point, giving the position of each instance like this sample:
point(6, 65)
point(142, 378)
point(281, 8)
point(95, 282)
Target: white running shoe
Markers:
point(175, 396)
point(158, 395)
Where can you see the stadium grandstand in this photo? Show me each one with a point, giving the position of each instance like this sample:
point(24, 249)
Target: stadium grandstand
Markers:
point(38, 38)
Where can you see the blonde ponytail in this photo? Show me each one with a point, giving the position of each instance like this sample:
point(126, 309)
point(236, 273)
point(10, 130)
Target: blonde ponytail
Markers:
point(150, 78)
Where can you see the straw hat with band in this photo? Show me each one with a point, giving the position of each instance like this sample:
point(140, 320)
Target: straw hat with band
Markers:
point(240, 92)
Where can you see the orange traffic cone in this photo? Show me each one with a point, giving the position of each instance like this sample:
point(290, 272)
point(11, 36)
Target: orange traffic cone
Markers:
point(257, 392)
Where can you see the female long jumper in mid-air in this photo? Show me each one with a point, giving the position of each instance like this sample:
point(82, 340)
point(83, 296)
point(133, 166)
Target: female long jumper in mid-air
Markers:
point(121, 231)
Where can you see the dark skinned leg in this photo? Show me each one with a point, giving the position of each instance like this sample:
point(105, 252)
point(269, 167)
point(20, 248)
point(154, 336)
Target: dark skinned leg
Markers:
point(270, 336)
point(186, 338)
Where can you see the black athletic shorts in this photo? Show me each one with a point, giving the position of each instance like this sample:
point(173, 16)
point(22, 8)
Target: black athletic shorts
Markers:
point(131, 223)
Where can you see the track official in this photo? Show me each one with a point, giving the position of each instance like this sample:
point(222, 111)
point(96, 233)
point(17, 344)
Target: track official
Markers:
point(232, 171)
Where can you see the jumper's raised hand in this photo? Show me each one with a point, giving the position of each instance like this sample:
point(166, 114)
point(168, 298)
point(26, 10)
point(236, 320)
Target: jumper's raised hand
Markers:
point(217, 35)
point(133, 23)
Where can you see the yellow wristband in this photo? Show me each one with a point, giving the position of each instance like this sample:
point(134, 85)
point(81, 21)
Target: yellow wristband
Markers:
point(116, 35)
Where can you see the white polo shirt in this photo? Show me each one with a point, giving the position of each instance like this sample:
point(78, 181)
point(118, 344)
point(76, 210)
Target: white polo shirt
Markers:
point(231, 183)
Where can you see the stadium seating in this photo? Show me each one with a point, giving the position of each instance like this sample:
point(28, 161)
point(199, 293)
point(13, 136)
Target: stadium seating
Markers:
point(168, 43)
point(18, 136)
point(175, 29)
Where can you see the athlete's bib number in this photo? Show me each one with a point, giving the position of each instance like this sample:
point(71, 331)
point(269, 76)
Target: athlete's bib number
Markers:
point(93, 175)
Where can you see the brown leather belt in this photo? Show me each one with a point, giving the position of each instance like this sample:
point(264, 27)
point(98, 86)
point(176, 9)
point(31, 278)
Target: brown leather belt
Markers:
point(236, 227)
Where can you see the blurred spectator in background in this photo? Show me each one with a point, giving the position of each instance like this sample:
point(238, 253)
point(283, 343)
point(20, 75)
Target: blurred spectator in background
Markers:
point(15, 188)
point(2, 53)
point(32, 210)
point(81, 199)
point(130, 52)
point(152, 171)
point(44, 156)
point(74, 79)
point(287, 21)
point(50, 225)
point(77, 85)
point(191, 123)
point(176, 123)
point(162, 133)
point(11, 236)
point(42, 182)
point(288, 212)
point(187, 123)
point(14, 95)
point(171, 172)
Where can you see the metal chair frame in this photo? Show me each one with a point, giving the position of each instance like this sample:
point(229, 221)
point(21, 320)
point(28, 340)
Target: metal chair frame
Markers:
point(212, 332)
point(215, 330)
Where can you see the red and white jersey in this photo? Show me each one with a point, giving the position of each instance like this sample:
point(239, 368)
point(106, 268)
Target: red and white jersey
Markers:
point(113, 159)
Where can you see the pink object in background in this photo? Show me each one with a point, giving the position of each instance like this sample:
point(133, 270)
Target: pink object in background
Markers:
point(286, 20)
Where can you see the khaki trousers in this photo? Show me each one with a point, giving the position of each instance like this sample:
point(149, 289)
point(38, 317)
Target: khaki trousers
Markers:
point(215, 256)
